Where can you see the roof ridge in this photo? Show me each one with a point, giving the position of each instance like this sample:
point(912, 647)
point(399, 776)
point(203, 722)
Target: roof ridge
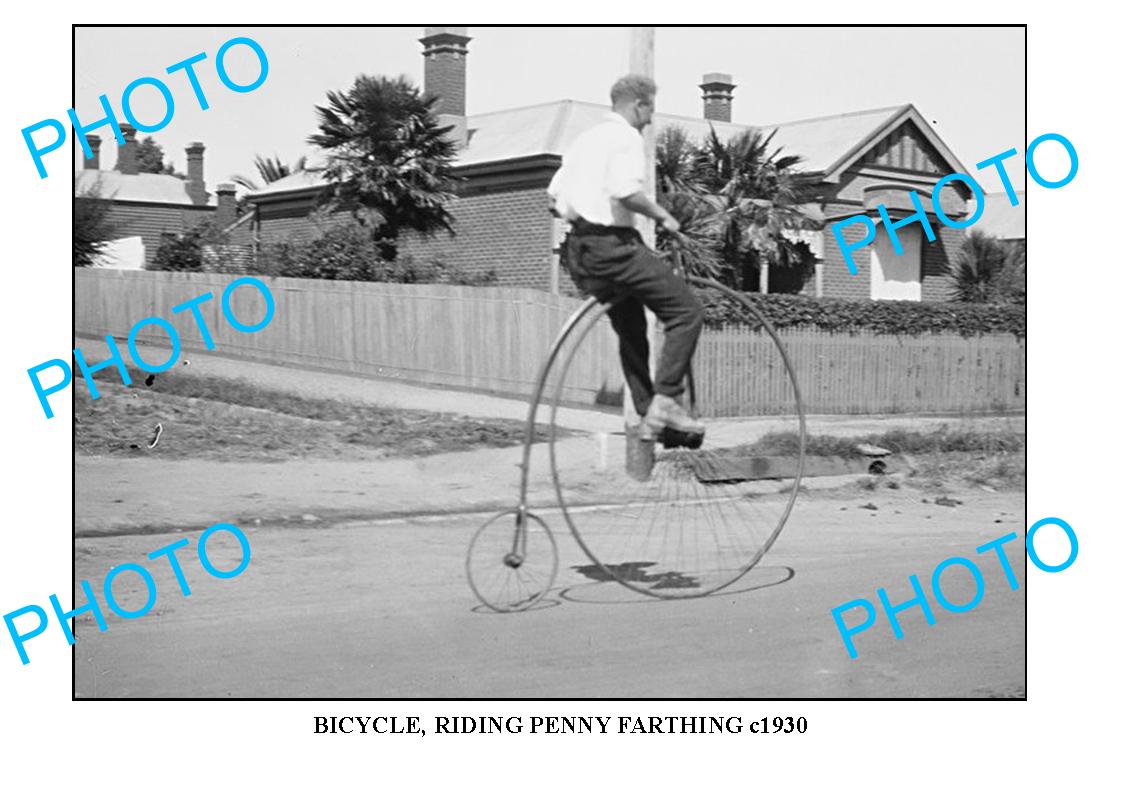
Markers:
point(569, 103)
point(123, 174)
point(836, 116)
point(561, 119)
point(700, 119)
point(472, 116)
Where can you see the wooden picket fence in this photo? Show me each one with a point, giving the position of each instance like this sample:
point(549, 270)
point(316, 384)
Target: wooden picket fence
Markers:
point(494, 339)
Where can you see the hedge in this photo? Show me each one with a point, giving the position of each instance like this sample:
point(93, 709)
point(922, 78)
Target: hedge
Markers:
point(882, 317)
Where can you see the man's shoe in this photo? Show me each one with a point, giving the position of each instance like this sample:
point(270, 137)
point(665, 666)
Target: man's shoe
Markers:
point(665, 413)
point(672, 439)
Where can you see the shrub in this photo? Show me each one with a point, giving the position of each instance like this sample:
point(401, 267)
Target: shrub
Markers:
point(882, 317)
point(347, 250)
point(977, 266)
point(92, 228)
point(185, 251)
point(412, 271)
point(343, 251)
point(1010, 283)
point(179, 253)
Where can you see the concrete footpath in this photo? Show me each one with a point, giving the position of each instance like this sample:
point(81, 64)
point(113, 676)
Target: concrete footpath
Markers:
point(311, 383)
point(131, 495)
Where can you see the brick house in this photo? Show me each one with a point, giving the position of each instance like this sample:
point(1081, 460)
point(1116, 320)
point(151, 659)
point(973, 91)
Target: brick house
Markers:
point(855, 162)
point(145, 207)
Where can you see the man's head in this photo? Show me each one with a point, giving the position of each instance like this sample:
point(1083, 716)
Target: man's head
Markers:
point(633, 97)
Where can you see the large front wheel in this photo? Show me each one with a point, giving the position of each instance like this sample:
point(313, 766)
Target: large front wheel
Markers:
point(704, 517)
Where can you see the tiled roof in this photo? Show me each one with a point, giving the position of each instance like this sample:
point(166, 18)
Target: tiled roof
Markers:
point(162, 188)
point(824, 141)
point(549, 129)
point(293, 182)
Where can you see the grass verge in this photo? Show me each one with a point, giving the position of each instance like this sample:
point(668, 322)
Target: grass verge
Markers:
point(991, 458)
point(223, 419)
point(944, 439)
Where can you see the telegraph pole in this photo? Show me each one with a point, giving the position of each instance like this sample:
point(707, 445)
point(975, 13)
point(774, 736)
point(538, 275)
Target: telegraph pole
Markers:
point(640, 456)
point(642, 62)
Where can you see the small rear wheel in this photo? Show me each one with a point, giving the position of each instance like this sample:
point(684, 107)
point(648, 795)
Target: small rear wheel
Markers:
point(512, 561)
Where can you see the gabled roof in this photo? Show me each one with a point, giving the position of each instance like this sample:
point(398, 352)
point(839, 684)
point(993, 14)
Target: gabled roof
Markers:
point(160, 188)
point(899, 116)
point(827, 144)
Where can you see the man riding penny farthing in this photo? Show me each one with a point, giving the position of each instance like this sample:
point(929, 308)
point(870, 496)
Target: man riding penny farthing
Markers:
point(685, 525)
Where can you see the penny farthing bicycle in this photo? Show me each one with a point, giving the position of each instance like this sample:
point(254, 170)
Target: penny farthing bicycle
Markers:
point(692, 519)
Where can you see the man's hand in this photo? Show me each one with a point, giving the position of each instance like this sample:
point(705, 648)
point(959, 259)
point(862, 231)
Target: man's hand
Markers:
point(671, 225)
point(638, 203)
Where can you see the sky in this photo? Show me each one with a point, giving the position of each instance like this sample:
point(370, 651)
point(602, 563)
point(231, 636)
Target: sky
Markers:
point(969, 82)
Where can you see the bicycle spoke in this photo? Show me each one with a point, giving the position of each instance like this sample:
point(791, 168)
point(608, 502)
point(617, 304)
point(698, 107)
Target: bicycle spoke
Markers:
point(675, 534)
point(512, 574)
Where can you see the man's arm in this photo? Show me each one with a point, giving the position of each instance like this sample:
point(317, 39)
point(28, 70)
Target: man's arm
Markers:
point(639, 203)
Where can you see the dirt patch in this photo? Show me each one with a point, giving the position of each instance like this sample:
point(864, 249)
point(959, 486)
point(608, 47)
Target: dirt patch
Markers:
point(189, 417)
point(929, 459)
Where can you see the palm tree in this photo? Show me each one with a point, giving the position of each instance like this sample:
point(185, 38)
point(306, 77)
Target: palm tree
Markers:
point(678, 190)
point(269, 170)
point(676, 163)
point(978, 266)
point(738, 196)
point(1010, 283)
point(389, 162)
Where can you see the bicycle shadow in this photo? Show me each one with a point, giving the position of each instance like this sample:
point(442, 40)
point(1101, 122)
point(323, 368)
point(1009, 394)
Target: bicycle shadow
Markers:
point(541, 605)
point(606, 590)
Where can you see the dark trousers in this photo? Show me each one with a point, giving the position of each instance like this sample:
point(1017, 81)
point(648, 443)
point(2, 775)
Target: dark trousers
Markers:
point(613, 264)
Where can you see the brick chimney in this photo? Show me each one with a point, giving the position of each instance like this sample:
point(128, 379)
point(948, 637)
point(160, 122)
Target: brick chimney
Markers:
point(196, 186)
point(226, 213)
point(93, 163)
point(717, 96)
point(446, 75)
point(126, 152)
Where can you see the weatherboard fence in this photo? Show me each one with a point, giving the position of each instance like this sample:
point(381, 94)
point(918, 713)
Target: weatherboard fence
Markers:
point(494, 339)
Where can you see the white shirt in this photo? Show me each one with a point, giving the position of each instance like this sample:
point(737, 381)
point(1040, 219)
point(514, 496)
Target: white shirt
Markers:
point(605, 164)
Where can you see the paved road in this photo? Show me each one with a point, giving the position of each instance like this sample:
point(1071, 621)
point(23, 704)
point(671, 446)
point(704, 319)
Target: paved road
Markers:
point(383, 610)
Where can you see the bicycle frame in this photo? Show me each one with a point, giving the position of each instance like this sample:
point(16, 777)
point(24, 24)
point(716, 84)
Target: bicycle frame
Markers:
point(516, 555)
point(539, 389)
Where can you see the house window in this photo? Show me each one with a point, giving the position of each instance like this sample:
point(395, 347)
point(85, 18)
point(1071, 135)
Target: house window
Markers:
point(896, 276)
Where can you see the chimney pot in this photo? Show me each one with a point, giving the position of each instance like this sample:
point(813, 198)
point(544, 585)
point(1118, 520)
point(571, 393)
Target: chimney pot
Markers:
point(126, 152)
point(93, 163)
point(226, 213)
point(196, 186)
point(717, 96)
point(446, 54)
